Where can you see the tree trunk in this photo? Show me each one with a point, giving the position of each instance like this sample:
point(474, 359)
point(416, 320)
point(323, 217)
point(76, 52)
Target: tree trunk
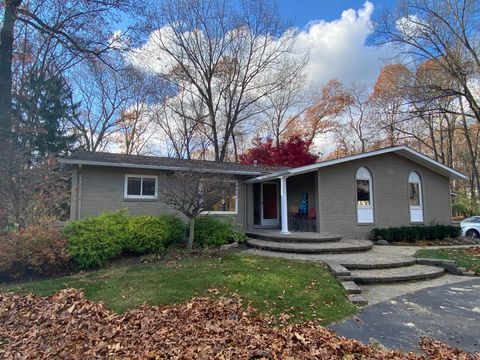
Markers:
point(191, 234)
point(6, 56)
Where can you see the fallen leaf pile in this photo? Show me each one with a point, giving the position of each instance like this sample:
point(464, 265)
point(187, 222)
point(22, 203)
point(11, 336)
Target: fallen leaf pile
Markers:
point(66, 325)
point(473, 251)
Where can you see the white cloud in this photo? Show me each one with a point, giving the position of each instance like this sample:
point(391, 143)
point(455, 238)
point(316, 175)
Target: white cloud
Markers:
point(338, 48)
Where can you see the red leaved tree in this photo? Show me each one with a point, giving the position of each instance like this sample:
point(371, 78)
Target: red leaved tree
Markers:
point(291, 152)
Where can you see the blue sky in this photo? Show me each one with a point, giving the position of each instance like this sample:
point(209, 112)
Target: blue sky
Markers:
point(334, 33)
point(301, 12)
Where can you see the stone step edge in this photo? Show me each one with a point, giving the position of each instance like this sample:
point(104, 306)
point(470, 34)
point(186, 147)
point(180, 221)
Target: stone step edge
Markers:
point(384, 265)
point(343, 275)
point(398, 278)
point(300, 239)
point(357, 299)
point(318, 250)
point(450, 266)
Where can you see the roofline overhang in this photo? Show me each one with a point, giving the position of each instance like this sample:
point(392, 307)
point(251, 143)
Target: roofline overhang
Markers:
point(401, 150)
point(158, 167)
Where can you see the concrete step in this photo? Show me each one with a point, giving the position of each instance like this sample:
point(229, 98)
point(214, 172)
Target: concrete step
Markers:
point(305, 237)
point(370, 262)
point(357, 299)
point(312, 248)
point(350, 287)
point(406, 273)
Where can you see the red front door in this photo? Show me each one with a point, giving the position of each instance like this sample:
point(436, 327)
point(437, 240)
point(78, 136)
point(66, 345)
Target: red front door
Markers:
point(269, 200)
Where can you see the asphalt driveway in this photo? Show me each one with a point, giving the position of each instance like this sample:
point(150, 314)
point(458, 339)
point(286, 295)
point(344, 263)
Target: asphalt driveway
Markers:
point(449, 313)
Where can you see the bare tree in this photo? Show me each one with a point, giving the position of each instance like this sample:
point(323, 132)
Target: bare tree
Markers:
point(284, 106)
point(30, 191)
point(192, 193)
point(355, 128)
point(181, 119)
point(103, 94)
point(389, 101)
point(81, 28)
point(135, 125)
point(444, 32)
point(222, 52)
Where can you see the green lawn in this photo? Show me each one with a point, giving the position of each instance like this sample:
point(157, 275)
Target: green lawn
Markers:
point(303, 289)
point(463, 259)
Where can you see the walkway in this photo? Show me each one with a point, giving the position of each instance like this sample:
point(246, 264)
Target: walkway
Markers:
point(449, 313)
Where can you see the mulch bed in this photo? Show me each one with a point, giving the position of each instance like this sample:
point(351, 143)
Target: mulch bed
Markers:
point(67, 326)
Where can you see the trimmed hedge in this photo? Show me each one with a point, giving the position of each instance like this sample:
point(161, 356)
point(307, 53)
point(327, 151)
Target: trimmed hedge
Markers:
point(210, 231)
point(94, 241)
point(152, 234)
point(415, 233)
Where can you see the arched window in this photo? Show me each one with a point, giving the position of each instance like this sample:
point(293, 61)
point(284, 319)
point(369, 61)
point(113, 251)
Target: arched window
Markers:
point(364, 196)
point(415, 201)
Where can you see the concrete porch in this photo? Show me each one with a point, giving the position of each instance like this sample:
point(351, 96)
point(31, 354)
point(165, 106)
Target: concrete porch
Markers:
point(286, 204)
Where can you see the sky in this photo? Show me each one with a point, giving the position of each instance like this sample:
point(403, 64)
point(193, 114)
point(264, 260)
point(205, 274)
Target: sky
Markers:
point(335, 33)
point(301, 12)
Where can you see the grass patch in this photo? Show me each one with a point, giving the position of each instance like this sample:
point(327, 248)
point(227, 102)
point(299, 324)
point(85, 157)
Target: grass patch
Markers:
point(462, 257)
point(304, 290)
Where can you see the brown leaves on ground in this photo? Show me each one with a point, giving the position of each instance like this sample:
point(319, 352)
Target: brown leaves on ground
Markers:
point(66, 325)
point(475, 251)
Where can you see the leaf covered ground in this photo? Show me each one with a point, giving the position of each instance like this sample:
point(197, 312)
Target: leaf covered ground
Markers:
point(68, 326)
point(303, 290)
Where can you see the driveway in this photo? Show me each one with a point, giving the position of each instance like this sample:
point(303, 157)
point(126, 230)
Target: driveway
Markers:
point(449, 313)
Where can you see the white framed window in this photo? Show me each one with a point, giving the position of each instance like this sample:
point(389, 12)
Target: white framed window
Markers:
point(229, 203)
point(140, 187)
point(415, 201)
point(364, 196)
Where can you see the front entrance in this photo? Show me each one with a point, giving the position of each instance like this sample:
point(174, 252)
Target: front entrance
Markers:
point(269, 206)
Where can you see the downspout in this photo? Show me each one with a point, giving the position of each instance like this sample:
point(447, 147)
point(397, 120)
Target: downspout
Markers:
point(79, 192)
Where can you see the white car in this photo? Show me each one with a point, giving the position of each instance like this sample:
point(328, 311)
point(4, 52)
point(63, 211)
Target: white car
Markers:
point(471, 226)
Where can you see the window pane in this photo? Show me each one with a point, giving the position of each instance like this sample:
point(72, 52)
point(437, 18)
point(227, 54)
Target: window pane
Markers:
point(133, 185)
point(148, 186)
point(413, 194)
point(363, 192)
point(228, 203)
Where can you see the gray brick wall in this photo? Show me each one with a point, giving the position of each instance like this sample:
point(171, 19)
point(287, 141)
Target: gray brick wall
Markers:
point(102, 190)
point(337, 195)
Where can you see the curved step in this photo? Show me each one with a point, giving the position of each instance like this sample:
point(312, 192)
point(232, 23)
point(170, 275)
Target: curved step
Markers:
point(306, 237)
point(312, 248)
point(407, 273)
point(370, 262)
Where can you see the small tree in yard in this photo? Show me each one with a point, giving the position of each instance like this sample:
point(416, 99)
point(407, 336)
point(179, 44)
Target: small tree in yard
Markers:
point(192, 193)
point(291, 152)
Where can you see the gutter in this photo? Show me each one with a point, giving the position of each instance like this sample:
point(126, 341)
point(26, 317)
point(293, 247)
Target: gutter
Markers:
point(158, 167)
point(271, 176)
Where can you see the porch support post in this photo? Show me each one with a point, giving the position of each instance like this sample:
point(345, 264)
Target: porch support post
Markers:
point(283, 200)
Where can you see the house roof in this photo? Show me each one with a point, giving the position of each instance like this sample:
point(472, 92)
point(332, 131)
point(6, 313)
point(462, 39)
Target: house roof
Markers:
point(165, 163)
point(404, 151)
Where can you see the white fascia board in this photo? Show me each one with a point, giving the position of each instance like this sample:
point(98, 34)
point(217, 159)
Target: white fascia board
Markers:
point(157, 167)
point(432, 164)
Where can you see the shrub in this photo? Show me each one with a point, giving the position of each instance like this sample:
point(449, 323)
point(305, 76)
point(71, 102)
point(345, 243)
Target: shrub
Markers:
point(96, 240)
point(151, 234)
point(210, 231)
point(415, 233)
point(39, 250)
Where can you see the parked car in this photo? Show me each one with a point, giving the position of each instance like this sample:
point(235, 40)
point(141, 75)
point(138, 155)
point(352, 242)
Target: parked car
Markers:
point(471, 226)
